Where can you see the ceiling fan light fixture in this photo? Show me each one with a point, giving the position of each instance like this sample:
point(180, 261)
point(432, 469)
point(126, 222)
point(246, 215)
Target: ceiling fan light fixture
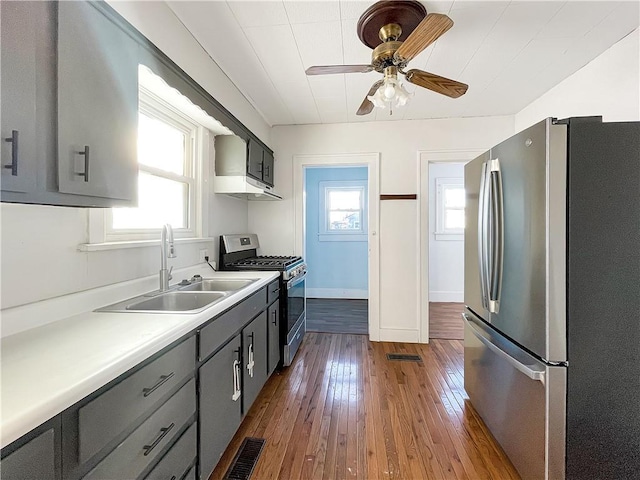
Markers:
point(391, 92)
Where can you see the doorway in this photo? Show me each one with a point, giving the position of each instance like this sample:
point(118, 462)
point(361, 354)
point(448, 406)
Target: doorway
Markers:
point(361, 299)
point(446, 250)
point(336, 248)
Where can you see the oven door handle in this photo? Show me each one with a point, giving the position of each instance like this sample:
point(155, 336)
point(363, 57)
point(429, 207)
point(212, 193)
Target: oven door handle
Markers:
point(296, 280)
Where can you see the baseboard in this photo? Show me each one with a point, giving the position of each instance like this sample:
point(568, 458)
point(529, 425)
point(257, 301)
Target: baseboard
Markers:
point(337, 293)
point(397, 335)
point(446, 296)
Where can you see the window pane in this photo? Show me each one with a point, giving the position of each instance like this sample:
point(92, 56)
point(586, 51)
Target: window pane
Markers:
point(454, 197)
point(160, 145)
point(344, 220)
point(344, 199)
point(160, 201)
point(454, 219)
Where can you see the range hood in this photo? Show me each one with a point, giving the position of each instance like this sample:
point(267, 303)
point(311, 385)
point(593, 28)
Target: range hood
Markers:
point(245, 187)
point(232, 173)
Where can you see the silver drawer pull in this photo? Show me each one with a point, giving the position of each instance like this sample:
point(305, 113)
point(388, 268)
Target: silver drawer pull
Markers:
point(163, 433)
point(13, 140)
point(163, 379)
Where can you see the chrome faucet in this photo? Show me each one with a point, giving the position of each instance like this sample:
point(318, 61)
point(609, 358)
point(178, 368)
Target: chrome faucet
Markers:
point(166, 240)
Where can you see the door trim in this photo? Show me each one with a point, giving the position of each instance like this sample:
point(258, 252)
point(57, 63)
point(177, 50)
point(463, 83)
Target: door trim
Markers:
point(424, 160)
point(372, 161)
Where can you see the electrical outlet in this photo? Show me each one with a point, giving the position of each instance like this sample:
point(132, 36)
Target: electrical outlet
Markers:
point(204, 253)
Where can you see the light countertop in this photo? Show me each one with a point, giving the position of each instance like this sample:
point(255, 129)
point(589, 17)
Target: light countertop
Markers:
point(49, 368)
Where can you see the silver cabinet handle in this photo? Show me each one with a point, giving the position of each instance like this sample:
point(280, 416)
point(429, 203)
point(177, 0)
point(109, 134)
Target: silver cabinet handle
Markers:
point(521, 367)
point(13, 139)
point(250, 362)
point(275, 317)
point(236, 378)
point(85, 174)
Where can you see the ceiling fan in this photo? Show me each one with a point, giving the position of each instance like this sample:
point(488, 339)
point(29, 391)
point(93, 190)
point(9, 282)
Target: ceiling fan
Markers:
point(405, 30)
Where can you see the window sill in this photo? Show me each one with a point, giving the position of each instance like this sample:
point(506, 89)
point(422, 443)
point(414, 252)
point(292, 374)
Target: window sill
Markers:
point(99, 247)
point(449, 236)
point(342, 237)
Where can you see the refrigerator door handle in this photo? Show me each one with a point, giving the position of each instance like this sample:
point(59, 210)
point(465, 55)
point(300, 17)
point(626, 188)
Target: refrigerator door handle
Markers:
point(528, 371)
point(496, 232)
point(483, 219)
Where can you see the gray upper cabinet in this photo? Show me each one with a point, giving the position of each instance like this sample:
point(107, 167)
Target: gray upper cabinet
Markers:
point(97, 104)
point(260, 163)
point(254, 160)
point(18, 106)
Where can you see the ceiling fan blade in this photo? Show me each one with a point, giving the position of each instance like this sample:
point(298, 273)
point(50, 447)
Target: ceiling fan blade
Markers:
point(330, 69)
point(366, 107)
point(432, 27)
point(438, 84)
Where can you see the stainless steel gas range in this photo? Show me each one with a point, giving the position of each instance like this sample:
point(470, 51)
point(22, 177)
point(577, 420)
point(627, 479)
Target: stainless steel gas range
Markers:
point(239, 252)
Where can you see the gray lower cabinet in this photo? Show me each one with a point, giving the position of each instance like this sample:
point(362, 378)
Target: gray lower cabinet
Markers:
point(18, 91)
point(34, 460)
point(220, 411)
point(139, 450)
point(273, 334)
point(254, 374)
point(97, 104)
point(178, 460)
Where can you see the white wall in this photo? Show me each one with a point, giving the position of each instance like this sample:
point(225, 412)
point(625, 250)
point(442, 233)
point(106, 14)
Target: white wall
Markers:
point(446, 256)
point(398, 143)
point(608, 86)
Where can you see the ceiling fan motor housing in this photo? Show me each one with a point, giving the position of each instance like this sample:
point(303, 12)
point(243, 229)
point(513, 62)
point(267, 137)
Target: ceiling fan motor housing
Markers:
point(382, 56)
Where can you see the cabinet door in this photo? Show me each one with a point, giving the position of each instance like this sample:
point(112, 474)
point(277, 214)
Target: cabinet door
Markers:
point(273, 326)
point(97, 104)
point(35, 459)
point(267, 166)
point(254, 160)
point(220, 399)
point(18, 106)
point(254, 371)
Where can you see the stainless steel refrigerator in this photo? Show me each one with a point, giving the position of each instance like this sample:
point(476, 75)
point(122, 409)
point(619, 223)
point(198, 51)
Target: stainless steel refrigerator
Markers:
point(552, 297)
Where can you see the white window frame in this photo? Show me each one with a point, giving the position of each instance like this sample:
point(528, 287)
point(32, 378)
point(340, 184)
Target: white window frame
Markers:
point(101, 234)
point(443, 233)
point(325, 234)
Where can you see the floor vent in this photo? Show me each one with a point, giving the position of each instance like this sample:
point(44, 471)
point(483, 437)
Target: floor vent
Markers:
point(404, 357)
point(246, 459)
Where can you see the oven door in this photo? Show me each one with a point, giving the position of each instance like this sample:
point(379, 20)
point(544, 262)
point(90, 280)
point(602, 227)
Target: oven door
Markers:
point(295, 302)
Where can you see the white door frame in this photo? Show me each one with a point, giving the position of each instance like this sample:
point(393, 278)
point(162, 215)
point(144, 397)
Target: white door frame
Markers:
point(372, 161)
point(424, 159)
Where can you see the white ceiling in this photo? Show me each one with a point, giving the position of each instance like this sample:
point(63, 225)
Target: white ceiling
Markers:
point(509, 52)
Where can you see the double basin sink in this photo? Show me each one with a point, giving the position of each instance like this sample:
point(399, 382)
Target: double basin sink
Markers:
point(190, 298)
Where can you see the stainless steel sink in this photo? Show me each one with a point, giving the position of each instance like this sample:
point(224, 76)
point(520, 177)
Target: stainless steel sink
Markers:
point(169, 302)
point(218, 285)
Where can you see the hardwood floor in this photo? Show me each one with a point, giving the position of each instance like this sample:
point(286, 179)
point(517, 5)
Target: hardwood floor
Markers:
point(337, 315)
point(343, 411)
point(445, 320)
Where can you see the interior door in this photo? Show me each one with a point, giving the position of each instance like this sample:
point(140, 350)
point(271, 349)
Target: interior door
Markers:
point(517, 280)
point(474, 295)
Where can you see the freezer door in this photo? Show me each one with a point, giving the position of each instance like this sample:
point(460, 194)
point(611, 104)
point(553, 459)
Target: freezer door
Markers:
point(520, 399)
point(527, 205)
point(475, 294)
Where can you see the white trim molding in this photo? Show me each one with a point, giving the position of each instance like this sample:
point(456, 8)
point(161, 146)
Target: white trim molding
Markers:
point(424, 159)
point(372, 161)
point(347, 293)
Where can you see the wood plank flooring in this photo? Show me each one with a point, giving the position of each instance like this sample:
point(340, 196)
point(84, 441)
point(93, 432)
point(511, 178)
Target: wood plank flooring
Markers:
point(445, 320)
point(343, 411)
point(338, 315)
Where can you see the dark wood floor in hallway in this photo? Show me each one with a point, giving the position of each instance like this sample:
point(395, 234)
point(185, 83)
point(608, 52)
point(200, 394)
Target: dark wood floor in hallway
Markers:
point(343, 411)
point(338, 315)
point(445, 320)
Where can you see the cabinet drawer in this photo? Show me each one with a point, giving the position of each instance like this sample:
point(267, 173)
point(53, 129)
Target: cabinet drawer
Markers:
point(139, 449)
point(35, 459)
point(105, 417)
point(178, 460)
point(222, 328)
point(273, 291)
